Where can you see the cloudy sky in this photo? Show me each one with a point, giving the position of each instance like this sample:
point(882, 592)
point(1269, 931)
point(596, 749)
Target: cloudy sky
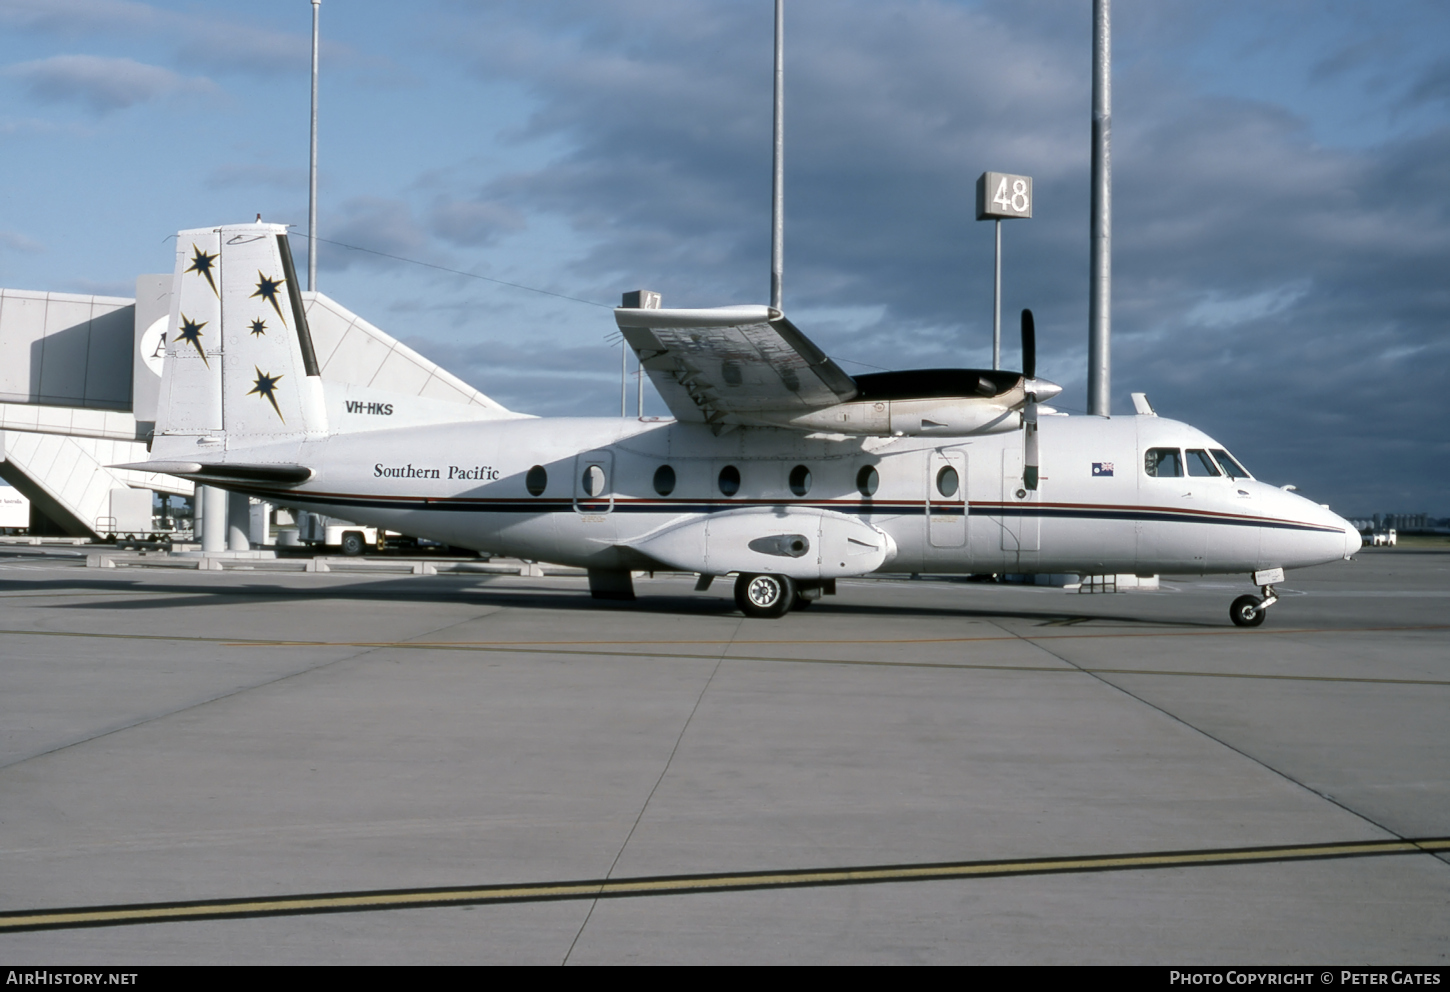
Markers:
point(1281, 189)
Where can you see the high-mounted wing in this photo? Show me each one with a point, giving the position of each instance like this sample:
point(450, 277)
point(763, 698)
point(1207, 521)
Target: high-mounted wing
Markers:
point(733, 365)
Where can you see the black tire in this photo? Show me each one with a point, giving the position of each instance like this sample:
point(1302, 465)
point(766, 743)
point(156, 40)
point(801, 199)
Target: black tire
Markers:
point(1245, 612)
point(354, 543)
point(764, 597)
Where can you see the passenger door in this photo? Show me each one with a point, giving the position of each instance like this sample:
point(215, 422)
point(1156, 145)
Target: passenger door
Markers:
point(1021, 525)
point(594, 482)
point(946, 498)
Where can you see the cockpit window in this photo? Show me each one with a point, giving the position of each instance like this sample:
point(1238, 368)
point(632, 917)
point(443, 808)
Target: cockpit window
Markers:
point(1231, 468)
point(1163, 463)
point(1200, 466)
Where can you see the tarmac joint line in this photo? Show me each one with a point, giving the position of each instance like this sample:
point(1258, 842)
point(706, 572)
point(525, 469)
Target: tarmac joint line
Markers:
point(593, 649)
point(660, 885)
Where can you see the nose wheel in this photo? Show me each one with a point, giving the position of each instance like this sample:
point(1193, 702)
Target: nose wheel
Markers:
point(1250, 611)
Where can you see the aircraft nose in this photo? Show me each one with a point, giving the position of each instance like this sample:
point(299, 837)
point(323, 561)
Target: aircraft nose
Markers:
point(1353, 540)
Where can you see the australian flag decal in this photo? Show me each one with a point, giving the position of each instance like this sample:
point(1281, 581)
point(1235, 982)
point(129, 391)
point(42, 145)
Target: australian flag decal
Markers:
point(1102, 468)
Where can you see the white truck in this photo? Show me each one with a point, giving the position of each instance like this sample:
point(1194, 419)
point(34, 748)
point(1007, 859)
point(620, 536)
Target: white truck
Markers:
point(331, 532)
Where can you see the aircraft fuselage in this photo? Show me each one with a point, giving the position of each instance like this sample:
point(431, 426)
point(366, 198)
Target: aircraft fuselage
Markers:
point(608, 483)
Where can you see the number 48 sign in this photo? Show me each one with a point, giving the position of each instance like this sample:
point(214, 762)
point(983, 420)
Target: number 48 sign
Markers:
point(1003, 195)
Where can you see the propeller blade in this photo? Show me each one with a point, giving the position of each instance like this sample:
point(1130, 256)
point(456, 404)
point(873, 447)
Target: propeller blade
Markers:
point(1029, 412)
point(1029, 346)
point(1029, 456)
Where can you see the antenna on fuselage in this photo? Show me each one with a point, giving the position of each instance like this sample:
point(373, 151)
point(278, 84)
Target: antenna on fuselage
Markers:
point(777, 197)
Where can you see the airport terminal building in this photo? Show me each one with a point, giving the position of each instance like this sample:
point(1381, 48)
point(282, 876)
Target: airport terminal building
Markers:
point(79, 381)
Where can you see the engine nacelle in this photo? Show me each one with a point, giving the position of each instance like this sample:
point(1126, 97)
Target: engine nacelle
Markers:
point(998, 410)
point(803, 543)
point(948, 417)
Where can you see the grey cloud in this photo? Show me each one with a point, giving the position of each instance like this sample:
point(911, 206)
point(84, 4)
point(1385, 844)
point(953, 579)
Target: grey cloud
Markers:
point(1432, 86)
point(1354, 55)
point(256, 174)
point(203, 41)
point(1272, 290)
point(473, 222)
point(539, 375)
point(215, 44)
point(15, 241)
point(76, 17)
point(101, 84)
point(376, 223)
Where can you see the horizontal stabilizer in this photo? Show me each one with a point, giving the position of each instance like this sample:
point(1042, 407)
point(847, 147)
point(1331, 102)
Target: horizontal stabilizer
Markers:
point(287, 475)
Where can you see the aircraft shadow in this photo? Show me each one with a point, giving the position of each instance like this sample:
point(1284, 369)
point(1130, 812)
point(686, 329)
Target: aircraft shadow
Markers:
point(481, 594)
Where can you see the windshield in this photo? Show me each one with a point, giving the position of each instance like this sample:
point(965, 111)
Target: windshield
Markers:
point(1230, 467)
point(1199, 464)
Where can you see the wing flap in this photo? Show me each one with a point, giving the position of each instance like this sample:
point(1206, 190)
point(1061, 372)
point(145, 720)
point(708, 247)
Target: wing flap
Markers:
point(722, 366)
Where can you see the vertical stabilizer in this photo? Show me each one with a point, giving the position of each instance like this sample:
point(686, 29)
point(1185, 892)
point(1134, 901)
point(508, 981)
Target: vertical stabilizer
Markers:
point(239, 369)
point(191, 375)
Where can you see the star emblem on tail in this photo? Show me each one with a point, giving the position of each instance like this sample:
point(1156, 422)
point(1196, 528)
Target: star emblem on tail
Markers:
point(191, 333)
point(267, 289)
point(201, 264)
point(259, 327)
point(266, 387)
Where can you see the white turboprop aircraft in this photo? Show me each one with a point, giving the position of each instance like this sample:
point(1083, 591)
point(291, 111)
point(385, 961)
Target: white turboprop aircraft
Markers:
point(778, 467)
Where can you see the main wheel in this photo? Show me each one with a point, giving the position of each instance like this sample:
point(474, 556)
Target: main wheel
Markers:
point(1245, 612)
point(354, 543)
point(764, 597)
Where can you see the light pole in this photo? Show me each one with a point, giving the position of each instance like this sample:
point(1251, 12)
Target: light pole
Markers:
point(777, 198)
point(312, 164)
point(1100, 277)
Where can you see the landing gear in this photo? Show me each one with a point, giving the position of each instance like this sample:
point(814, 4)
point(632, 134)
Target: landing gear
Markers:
point(765, 597)
point(1250, 611)
point(1246, 613)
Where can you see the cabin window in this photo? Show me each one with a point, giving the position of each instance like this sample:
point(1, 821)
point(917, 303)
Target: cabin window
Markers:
point(729, 480)
point(1163, 463)
point(593, 482)
point(664, 480)
point(536, 481)
point(947, 481)
point(800, 480)
point(1230, 465)
point(1200, 466)
point(867, 481)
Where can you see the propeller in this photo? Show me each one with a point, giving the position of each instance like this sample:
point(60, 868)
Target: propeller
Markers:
point(1029, 412)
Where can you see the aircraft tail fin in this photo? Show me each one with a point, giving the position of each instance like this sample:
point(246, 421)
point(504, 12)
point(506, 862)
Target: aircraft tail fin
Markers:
point(240, 370)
